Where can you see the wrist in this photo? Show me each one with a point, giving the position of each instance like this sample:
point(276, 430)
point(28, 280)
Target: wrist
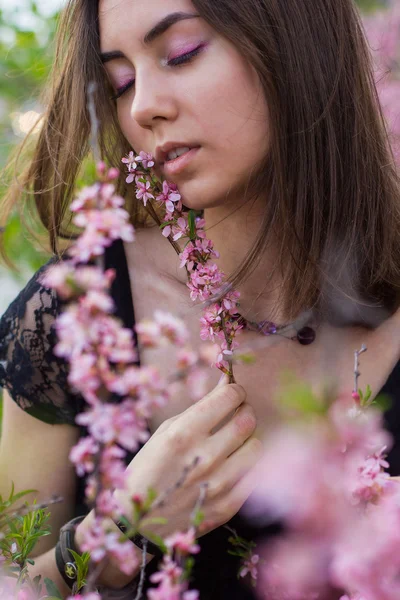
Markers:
point(111, 576)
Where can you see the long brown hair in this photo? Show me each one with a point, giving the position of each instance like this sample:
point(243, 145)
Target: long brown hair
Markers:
point(330, 175)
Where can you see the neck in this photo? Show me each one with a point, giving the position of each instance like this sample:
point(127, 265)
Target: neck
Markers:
point(233, 232)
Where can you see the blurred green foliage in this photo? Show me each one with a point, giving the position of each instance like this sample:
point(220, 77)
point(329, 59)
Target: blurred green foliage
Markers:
point(27, 53)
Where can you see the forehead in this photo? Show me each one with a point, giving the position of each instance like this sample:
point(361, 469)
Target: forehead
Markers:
point(121, 18)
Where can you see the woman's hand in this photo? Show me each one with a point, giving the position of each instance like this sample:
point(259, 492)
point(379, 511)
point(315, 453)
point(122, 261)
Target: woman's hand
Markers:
point(226, 457)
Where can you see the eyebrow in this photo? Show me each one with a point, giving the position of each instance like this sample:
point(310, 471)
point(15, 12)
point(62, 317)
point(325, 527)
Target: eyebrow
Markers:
point(156, 31)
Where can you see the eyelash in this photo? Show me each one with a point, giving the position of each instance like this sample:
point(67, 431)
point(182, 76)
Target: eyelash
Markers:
point(175, 62)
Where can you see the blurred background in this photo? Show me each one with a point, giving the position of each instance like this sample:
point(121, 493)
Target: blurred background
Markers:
point(26, 33)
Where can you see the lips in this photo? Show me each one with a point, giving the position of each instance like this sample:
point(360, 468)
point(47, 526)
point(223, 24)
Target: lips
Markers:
point(161, 153)
point(177, 165)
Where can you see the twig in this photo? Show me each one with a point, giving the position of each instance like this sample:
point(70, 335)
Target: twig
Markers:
point(160, 502)
point(229, 357)
point(94, 143)
point(24, 510)
point(152, 212)
point(94, 122)
point(200, 500)
point(142, 571)
point(93, 576)
point(357, 365)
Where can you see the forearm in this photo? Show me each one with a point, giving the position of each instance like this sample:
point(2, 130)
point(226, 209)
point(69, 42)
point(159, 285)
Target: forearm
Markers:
point(45, 565)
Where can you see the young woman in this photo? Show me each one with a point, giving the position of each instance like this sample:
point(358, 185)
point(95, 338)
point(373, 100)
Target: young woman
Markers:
point(290, 162)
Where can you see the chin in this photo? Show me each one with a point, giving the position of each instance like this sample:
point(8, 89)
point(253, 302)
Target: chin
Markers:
point(195, 195)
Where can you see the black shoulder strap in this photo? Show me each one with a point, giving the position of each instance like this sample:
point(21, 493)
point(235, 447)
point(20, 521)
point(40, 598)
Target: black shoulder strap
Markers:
point(392, 417)
point(115, 258)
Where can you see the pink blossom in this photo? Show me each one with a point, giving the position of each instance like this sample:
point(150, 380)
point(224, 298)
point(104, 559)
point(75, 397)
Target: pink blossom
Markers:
point(172, 328)
point(124, 553)
point(353, 597)
point(170, 587)
point(107, 504)
point(100, 543)
point(73, 331)
point(100, 422)
point(205, 281)
point(149, 333)
point(87, 198)
point(131, 162)
point(180, 229)
point(89, 245)
point(183, 542)
point(108, 224)
point(366, 557)
point(197, 383)
point(370, 482)
point(195, 251)
point(115, 423)
point(142, 192)
point(69, 281)
point(112, 467)
point(250, 565)
point(358, 428)
point(82, 455)
point(131, 427)
point(146, 159)
point(211, 322)
point(59, 278)
point(295, 568)
point(146, 385)
point(169, 196)
point(97, 301)
point(186, 358)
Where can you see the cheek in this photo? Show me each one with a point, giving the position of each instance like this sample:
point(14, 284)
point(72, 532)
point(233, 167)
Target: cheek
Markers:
point(138, 138)
point(233, 114)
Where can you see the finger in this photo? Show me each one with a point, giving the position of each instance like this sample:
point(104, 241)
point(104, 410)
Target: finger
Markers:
point(234, 468)
point(243, 488)
point(233, 434)
point(208, 412)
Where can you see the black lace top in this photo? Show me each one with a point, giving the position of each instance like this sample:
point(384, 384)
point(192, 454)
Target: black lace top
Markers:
point(37, 381)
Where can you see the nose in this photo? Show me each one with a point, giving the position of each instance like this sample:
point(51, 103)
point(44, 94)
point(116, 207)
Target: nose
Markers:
point(153, 99)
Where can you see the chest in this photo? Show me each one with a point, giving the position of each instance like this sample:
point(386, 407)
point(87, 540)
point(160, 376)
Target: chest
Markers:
point(158, 284)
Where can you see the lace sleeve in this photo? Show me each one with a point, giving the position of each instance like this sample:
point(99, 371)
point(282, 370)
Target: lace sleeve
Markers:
point(33, 375)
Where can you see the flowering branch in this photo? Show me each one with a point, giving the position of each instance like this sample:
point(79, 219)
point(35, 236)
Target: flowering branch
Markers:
point(220, 320)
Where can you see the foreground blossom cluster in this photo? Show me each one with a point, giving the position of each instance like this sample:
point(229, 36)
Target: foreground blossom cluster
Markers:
point(102, 356)
point(323, 474)
point(324, 478)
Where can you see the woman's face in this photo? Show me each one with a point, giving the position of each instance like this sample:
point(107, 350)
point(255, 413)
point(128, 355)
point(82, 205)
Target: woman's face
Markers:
point(214, 102)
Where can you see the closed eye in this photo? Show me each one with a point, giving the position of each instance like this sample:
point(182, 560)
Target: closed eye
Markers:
point(175, 62)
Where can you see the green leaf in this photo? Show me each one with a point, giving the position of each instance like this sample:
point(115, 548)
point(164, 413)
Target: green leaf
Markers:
point(21, 494)
point(383, 402)
point(52, 589)
point(151, 496)
point(165, 224)
point(156, 539)
point(156, 521)
point(192, 224)
point(198, 518)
